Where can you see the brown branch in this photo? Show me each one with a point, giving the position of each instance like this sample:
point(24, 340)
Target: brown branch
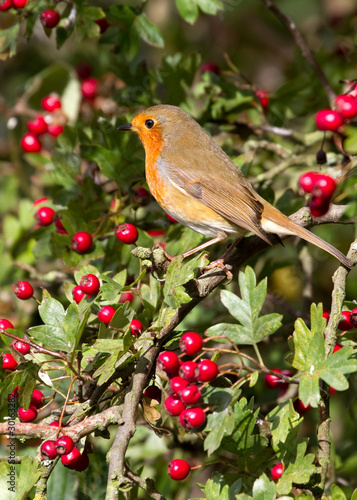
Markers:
point(145, 484)
point(305, 51)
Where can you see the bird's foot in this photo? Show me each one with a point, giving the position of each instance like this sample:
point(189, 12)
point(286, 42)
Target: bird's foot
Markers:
point(221, 265)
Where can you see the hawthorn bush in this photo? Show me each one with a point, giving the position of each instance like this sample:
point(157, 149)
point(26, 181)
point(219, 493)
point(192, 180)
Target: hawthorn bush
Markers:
point(148, 378)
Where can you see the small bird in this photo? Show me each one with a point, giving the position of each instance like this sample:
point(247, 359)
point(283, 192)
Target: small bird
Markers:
point(197, 183)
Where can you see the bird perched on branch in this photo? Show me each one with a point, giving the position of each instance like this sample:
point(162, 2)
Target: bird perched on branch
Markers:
point(197, 183)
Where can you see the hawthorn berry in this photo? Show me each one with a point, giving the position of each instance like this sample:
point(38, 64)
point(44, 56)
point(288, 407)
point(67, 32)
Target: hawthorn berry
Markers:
point(30, 143)
point(9, 362)
point(276, 471)
point(5, 324)
point(44, 216)
point(324, 186)
point(83, 70)
point(178, 469)
point(190, 394)
point(318, 205)
point(345, 324)
point(337, 347)
point(37, 398)
point(176, 385)
point(353, 317)
point(307, 181)
point(5, 5)
point(21, 347)
point(210, 67)
point(89, 88)
point(171, 219)
point(48, 450)
point(38, 126)
point(82, 464)
point(174, 406)
point(51, 103)
point(59, 226)
point(136, 327)
point(126, 296)
point(77, 294)
point(142, 195)
point(272, 381)
point(90, 284)
point(39, 201)
point(191, 343)
point(14, 394)
point(82, 242)
point(328, 119)
point(346, 105)
point(155, 232)
point(23, 290)
point(27, 415)
point(127, 233)
point(55, 423)
point(192, 418)
point(49, 19)
point(64, 445)
point(153, 392)
point(263, 97)
point(188, 371)
point(19, 4)
point(103, 24)
point(71, 459)
point(168, 361)
point(55, 130)
point(207, 370)
point(326, 314)
point(300, 408)
point(106, 314)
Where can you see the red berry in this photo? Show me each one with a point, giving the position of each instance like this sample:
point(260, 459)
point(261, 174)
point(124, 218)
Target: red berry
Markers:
point(89, 88)
point(191, 418)
point(39, 201)
point(5, 324)
point(51, 102)
point(127, 233)
point(353, 318)
point(346, 105)
point(276, 471)
point(337, 347)
point(37, 398)
point(178, 469)
point(328, 119)
point(345, 324)
point(153, 392)
point(190, 394)
point(23, 290)
point(83, 70)
point(27, 415)
point(263, 97)
point(5, 5)
point(8, 362)
point(136, 327)
point(176, 385)
point(71, 459)
point(78, 294)
point(168, 361)
point(30, 143)
point(64, 445)
point(44, 216)
point(38, 126)
point(207, 370)
point(48, 450)
point(55, 130)
point(210, 67)
point(174, 406)
point(59, 226)
point(324, 186)
point(126, 297)
point(191, 343)
point(14, 394)
point(326, 314)
point(318, 206)
point(106, 314)
point(307, 181)
point(171, 219)
point(19, 4)
point(49, 19)
point(155, 232)
point(90, 284)
point(21, 347)
point(272, 381)
point(82, 242)
point(103, 24)
point(188, 371)
point(300, 408)
point(54, 424)
point(142, 196)
point(82, 464)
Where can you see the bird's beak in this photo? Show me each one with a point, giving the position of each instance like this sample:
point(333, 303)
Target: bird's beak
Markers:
point(127, 126)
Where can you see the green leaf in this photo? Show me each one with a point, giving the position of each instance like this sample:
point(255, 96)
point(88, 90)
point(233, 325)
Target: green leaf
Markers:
point(188, 10)
point(263, 489)
point(336, 365)
point(246, 310)
point(210, 6)
point(109, 345)
point(106, 160)
point(26, 476)
point(148, 31)
point(8, 40)
point(337, 493)
point(284, 426)
point(298, 472)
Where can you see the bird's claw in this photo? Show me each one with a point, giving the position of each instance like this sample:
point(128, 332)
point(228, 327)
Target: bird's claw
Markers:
point(220, 264)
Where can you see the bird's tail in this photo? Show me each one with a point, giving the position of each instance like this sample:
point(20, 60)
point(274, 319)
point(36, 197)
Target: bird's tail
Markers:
point(272, 223)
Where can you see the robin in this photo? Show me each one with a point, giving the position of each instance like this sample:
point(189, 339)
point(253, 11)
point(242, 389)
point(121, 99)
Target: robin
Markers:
point(197, 183)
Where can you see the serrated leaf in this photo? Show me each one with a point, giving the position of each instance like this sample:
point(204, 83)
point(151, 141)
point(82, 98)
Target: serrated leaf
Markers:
point(108, 345)
point(8, 41)
point(263, 489)
point(178, 274)
point(219, 424)
point(188, 10)
point(336, 365)
point(284, 427)
point(149, 32)
point(298, 472)
point(26, 476)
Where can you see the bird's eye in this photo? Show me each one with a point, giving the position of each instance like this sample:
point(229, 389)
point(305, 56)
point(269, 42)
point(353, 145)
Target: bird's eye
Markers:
point(149, 123)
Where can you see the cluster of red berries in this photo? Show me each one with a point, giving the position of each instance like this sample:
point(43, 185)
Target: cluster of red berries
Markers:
point(37, 401)
point(349, 320)
point(9, 4)
point(51, 124)
point(321, 188)
point(275, 382)
point(184, 389)
point(64, 447)
point(332, 119)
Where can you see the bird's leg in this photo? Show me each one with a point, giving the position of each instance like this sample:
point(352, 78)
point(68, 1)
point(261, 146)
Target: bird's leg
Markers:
point(219, 237)
point(220, 262)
